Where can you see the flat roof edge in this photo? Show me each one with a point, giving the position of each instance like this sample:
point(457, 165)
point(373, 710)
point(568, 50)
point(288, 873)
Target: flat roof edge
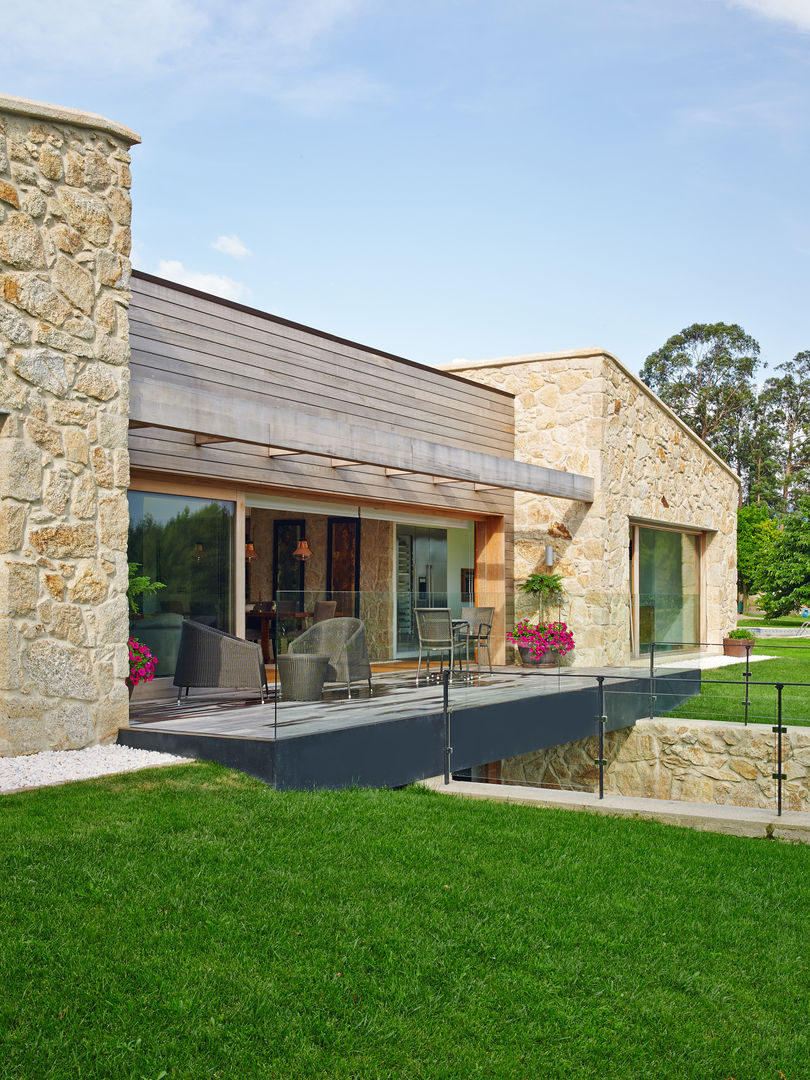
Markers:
point(41, 110)
point(234, 305)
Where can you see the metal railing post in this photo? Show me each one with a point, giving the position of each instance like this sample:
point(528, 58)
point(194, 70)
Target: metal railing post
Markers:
point(779, 776)
point(448, 749)
point(652, 680)
point(601, 719)
point(747, 673)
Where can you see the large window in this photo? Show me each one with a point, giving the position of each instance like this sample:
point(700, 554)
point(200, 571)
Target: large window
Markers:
point(187, 543)
point(665, 575)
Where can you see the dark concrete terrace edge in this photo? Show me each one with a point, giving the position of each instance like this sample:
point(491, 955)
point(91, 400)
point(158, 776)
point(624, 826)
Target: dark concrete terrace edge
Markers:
point(394, 753)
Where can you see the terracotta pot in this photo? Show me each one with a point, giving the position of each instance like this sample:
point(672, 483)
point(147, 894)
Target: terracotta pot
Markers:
point(736, 646)
point(527, 658)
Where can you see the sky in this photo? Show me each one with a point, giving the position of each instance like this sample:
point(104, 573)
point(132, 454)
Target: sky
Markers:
point(457, 179)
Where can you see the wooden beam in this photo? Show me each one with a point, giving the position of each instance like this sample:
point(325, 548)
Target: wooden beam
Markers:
point(274, 451)
point(398, 472)
point(328, 435)
point(448, 480)
point(204, 440)
point(342, 463)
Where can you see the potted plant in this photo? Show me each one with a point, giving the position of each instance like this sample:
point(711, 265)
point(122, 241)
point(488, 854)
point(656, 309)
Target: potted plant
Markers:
point(142, 664)
point(547, 588)
point(735, 642)
point(541, 643)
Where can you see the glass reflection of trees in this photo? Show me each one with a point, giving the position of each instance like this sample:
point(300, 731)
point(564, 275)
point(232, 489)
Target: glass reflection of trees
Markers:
point(191, 553)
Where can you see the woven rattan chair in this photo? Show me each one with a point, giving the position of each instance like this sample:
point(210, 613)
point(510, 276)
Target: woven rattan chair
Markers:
point(437, 634)
point(479, 621)
point(212, 658)
point(344, 642)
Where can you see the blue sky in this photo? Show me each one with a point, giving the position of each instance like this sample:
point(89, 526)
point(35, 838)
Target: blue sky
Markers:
point(458, 179)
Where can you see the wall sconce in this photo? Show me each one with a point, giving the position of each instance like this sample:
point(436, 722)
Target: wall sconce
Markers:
point(198, 554)
point(250, 552)
point(550, 556)
point(303, 552)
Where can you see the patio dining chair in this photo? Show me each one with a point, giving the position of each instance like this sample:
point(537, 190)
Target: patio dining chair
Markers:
point(479, 622)
point(437, 634)
point(343, 640)
point(324, 609)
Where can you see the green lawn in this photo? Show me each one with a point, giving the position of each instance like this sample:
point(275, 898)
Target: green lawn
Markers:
point(784, 620)
point(190, 922)
point(722, 702)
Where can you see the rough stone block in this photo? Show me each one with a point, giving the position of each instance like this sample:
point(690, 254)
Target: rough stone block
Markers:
point(96, 384)
point(12, 525)
point(85, 497)
point(8, 194)
point(90, 586)
point(75, 283)
point(15, 328)
point(9, 655)
point(88, 216)
point(113, 522)
point(50, 163)
point(44, 435)
point(112, 350)
point(21, 243)
point(61, 670)
point(43, 368)
point(18, 587)
point(67, 239)
point(63, 341)
point(66, 622)
point(20, 470)
point(57, 491)
point(65, 541)
point(37, 297)
point(56, 585)
point(102, 469)
point(76, 448)
point(112, 621)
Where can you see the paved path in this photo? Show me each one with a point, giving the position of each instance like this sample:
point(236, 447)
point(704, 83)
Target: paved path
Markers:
point(737, 820)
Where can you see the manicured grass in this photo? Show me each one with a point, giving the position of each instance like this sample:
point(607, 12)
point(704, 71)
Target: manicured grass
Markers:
point(190, 922)
point(784, 620)
point(723, 702)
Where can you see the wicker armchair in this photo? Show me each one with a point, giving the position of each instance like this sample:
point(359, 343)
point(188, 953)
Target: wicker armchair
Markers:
point(479, 621)
point(344, 642)
point(212, 658)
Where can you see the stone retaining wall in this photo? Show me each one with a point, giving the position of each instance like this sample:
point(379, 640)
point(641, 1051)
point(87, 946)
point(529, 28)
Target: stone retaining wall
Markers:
point(686, 760)
point(64, 389)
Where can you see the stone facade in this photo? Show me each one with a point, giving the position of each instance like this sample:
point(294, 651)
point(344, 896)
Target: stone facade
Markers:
point(64, 389)
point(584, 412)
point(688, 760)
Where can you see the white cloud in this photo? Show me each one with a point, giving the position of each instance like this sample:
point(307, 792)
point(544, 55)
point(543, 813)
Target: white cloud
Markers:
point(795, 12)
point(255, 45)
point(218, 284)
point(231, 245)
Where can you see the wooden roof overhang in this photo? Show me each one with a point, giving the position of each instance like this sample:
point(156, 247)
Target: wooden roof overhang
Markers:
point(285, 431)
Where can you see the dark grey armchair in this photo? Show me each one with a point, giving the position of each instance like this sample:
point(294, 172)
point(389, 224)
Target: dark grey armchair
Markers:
point(211, 658)
point(344, 642)
point(479, 628)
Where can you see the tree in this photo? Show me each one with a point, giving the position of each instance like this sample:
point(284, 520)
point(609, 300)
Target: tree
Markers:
point(784, 577)
point(786, 398)
point(706, 375)
point(750, 543)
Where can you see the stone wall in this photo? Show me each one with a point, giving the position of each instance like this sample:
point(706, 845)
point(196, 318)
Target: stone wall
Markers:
point(585, 412)
point(64, 467)
point(688, 760)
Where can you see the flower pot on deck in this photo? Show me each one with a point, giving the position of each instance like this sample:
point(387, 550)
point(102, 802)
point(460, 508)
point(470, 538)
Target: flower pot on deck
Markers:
point(528, 659)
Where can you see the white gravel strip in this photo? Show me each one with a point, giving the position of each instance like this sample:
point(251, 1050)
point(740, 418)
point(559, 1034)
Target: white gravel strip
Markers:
point(59, 766)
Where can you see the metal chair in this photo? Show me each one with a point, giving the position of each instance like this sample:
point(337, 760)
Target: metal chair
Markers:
point(344, 642)
point(479, 621)
point(211, 658)
point(437, 634)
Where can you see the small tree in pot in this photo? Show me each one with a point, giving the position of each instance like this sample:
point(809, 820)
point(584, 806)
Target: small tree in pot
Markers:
point(738, 642)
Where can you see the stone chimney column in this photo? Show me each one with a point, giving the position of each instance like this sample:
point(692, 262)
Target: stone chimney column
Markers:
point(64, 414)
